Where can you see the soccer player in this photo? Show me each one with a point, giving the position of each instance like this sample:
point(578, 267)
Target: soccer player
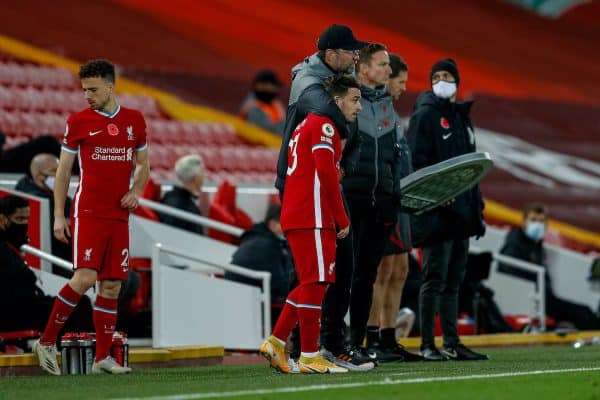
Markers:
point(312, 212)
point(108, 140)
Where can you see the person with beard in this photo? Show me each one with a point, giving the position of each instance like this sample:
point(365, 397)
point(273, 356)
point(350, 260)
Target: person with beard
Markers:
point(337, 52)
point(262, 107)
point(23, 304)
point(440, 128)
point(40, 183)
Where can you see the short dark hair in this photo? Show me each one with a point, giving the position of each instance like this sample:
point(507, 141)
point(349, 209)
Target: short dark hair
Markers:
point(397, 64)
point(10, 204)
point(535, 207)
point(273, 213)
point(366, 53)
point(102, 68)
point(338, 85)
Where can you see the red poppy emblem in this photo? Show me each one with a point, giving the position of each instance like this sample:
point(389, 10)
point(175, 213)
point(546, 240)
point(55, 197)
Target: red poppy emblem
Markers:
point(444, 123)
point(113, 130)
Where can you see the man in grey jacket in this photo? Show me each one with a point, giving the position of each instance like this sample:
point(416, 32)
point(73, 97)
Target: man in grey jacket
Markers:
point(337, 53)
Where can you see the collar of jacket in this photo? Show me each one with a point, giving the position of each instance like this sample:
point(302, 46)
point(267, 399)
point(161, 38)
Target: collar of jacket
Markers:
point(373, 94)
point(444, 105)
point(313, 65)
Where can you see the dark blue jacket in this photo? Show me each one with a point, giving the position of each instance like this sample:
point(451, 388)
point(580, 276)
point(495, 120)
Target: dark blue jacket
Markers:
point(440, 130)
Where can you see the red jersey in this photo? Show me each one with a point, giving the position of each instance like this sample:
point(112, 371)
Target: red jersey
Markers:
point(105, 145)
point(312, 197)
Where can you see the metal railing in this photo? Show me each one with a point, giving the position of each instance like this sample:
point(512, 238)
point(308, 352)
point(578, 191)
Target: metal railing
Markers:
point(539, 295)
point(64, 264)
point(265, 277)
point(191, 217)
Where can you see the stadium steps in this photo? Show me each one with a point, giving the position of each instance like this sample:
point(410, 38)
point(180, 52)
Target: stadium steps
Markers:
point(27, 364)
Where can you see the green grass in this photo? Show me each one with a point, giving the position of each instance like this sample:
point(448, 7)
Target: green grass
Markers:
point(394, 381)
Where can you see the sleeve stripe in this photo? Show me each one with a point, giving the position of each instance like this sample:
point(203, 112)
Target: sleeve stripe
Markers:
point(143, 147)
point(323, 146)
point(69, 150)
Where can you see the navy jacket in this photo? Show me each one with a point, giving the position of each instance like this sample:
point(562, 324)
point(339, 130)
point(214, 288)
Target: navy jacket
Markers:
point(440, 130)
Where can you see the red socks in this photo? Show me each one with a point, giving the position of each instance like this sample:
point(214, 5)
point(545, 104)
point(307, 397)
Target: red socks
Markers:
point(64, 304)
point(105, 319)
point(309, 314)
point(288, 317)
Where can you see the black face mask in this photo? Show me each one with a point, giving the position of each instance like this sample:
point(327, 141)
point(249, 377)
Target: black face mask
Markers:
point(16, 234)
point(267, 97)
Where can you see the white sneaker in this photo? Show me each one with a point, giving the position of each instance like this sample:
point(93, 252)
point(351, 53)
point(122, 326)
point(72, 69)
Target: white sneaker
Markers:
point(110, 366)
point(47, 357)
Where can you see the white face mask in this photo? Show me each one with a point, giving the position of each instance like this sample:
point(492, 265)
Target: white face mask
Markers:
point(535, 230)
point(444, 89)
point(49, 182)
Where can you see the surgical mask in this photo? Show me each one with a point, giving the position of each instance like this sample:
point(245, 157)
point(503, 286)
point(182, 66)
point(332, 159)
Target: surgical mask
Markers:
point(49, 182)
point(444, 89)
point(265, 96)
point(535, 230)
point(16, 234)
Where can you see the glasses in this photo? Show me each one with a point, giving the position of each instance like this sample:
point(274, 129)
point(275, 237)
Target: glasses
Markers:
point(354, 53)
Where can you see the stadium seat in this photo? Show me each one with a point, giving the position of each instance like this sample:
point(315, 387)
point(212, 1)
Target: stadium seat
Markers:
point(223, 209)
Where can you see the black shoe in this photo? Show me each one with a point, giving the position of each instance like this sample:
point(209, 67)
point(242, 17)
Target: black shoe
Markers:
point(432, 354)
point(383, 355)
point(406, 355)
point(462, 353)
point(354, 359)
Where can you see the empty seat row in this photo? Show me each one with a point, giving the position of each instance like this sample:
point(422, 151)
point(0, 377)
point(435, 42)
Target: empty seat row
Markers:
point(191, 133)
point(60, 100)
point(33, 75)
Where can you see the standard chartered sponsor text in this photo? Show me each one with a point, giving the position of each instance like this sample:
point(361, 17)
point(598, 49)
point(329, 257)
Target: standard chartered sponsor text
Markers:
point(112, 153)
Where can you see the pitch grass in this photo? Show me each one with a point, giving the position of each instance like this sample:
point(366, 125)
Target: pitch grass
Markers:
point(455, 380)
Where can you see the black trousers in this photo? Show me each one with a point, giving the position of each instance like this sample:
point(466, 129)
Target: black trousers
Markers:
point(444, 267)
point(357, 259)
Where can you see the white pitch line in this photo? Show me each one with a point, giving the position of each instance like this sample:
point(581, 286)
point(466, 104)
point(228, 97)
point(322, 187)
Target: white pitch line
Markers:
point(386, 381)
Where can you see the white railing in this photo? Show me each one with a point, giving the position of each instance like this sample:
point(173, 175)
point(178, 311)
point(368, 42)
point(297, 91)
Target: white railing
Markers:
point(159, 256)
point(191, 217)
point(64, 264)
point(539, 295)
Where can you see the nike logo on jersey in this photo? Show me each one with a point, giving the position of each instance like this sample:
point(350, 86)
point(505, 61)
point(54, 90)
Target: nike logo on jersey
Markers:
point(95, 132)
point(446, 136)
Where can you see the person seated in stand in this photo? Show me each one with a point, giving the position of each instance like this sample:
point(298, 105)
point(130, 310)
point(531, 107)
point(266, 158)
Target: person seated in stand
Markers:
point(186, 194)
point(262, 107)
point(23, 304)
point(40, 182)
point(526, 242)
point(264, 248)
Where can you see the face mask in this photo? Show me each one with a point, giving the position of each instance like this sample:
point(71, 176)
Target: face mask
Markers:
point(16, 234)
point(444, 90)
point(535, 230)
point(49, 182)
point(267, 97)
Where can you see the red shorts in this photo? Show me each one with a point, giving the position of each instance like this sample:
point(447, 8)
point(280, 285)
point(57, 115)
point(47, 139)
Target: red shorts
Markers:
point(103, 245)
point(314, 254)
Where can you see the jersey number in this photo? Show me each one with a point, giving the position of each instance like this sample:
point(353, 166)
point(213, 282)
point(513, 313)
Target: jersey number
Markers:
point(125, 262)
point(294, 146)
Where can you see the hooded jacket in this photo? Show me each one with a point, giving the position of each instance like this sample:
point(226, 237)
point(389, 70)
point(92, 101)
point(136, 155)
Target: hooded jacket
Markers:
point(308, 95)
point(440, 130)
point(379, 168)
point(261, 250)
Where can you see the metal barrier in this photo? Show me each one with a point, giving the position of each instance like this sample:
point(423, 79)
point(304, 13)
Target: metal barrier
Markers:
point(191, 217)
point(538, 296)
point(159, 251)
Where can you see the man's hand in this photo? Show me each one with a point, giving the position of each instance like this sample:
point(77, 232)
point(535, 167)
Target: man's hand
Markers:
point(130, 201)
point(342, 233)
point(61, 229)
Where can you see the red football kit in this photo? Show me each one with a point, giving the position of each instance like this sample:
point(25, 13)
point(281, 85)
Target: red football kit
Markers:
point(312, 208)
point(105, 145)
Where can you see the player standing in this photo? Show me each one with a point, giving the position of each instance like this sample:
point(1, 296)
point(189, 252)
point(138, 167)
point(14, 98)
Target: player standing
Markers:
point(107, 139)
point(312, 216)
